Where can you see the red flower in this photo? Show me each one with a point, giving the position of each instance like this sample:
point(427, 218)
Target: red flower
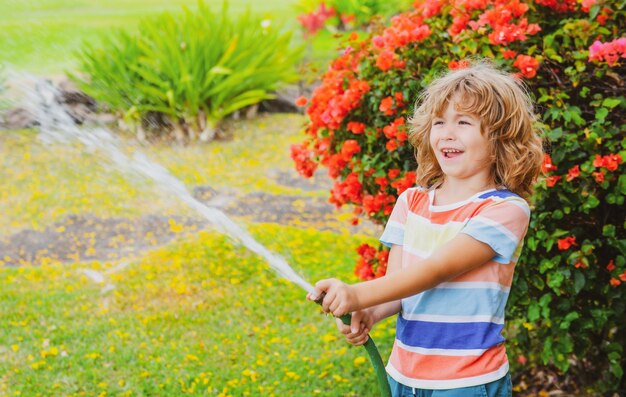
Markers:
point(301, 101)
point(402, 184)
point(509, 54)
point(623, 276)
point(303, 159)
point(610, 161)
point(393, 173)
point(454, 65)
point(385, 60)
point(615, 282)
point(314, 21)
point(355, 127)
point(587, 4)
point(611, 266)
point(399, 98)
point(382, 182)
point(566, 243)
point(521, 359)
point(599, 176)
point(573, 173)
point(527, 65)
point(599, 161)
point(350, 190)
point(613, 161)
point(391, 145)
point(580, 264)
point(349, 148)
point(547, 165)
point(386, 106)
point(552, 180)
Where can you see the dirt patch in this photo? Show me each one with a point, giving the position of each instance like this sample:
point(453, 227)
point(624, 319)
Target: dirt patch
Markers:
point(80, 238)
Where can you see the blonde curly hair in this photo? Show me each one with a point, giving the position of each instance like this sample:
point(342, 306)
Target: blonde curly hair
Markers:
point(506, 112)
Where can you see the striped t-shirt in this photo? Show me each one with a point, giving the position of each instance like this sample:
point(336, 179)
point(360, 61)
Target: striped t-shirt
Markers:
point(451, 335)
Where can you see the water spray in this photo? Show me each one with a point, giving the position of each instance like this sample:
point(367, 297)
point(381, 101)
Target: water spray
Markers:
point(57, 126)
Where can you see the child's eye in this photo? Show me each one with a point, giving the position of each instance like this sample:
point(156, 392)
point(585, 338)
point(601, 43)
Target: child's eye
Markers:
point(437, 122)
point(464, 122)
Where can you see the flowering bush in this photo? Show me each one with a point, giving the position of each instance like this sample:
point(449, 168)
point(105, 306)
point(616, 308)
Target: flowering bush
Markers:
point(568, 305)
point(344, 14)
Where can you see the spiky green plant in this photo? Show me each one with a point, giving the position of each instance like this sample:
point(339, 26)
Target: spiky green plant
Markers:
point(193, 68)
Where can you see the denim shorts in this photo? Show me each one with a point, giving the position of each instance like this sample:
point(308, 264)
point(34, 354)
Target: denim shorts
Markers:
point(498, 388)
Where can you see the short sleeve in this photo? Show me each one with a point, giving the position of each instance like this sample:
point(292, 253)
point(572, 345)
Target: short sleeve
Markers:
point(394, 230)
point(502, 226)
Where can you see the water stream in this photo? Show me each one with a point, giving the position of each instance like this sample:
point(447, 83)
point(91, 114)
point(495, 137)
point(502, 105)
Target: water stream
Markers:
point(57, 126)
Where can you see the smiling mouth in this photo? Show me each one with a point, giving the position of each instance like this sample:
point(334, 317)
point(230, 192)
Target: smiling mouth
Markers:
point(451, 153)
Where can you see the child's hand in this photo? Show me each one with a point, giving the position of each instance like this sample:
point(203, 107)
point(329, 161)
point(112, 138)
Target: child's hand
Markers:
point(340, 297)
point(357, 332)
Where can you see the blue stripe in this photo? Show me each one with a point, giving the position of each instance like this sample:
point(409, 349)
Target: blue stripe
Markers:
point(392, 235)
point(457, 302)
point(502, 244)
point(434, 335)
point(498, 193)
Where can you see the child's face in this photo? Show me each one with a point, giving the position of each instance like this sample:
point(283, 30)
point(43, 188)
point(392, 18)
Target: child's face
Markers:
point(459, 146)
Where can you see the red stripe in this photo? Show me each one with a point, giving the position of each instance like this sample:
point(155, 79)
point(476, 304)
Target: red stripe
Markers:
point(437, 367)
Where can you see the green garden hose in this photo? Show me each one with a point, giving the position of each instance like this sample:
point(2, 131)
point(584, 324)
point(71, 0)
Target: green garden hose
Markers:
point(372, 351)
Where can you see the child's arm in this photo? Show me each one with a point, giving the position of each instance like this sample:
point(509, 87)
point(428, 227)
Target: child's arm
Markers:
point(461, 254)
point(363, 320)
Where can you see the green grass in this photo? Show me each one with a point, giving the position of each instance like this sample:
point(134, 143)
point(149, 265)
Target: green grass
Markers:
point(40, 36)
point(40, 185)
point(201, 317)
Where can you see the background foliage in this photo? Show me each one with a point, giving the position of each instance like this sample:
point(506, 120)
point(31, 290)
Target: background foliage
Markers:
point(567, 305)
point(345, 14)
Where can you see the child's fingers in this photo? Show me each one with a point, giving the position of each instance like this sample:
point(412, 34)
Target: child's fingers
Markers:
point(343, 328)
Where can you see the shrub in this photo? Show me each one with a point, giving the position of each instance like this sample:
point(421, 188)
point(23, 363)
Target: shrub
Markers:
point(345, 14)
point(567, 305)
point(191, 69)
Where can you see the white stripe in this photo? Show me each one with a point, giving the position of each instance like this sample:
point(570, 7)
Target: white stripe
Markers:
point(498, 226)
point(474, 285)
point(448, 383)
point(395, 224)
point(439, 318)
point(441, 352)
point(420, 254)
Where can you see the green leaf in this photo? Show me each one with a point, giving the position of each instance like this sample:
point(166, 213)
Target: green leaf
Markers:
point(533, 312)
point(610, 102)
point(621, 184)
point(579, 282)
point(601, 114)
point(608, 230)
point(537, 282)
point(555, 279)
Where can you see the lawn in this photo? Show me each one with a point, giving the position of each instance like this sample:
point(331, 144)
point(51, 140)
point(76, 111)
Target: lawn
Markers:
point(40, 36)
point(197, 316)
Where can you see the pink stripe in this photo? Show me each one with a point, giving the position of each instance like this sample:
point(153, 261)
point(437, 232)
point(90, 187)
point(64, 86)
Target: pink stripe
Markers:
point(437, 367)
